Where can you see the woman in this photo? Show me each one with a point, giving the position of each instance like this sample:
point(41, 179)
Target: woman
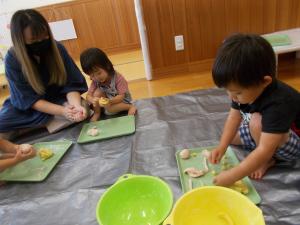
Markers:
point(45, 84)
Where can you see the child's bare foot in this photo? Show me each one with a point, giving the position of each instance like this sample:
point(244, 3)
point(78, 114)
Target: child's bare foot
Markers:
point(259, 173)
point(95, 117)
point(132, 110)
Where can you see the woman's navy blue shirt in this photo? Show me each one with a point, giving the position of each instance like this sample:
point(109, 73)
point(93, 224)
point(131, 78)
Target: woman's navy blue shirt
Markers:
point(17, 110)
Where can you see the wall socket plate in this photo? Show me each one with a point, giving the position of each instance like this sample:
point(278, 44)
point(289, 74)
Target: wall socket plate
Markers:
point(179, 43)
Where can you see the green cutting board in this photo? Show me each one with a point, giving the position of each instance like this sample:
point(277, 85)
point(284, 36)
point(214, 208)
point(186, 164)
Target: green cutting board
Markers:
point(278, 39)
point(35, 169)
point(196, 160)
point(109, 128)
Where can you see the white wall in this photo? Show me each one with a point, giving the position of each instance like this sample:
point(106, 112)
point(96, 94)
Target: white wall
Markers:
point(9, 6)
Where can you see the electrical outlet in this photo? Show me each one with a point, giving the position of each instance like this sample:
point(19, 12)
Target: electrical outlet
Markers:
point(179, 43)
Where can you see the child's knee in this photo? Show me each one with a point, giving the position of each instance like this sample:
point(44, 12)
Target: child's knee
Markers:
point(109, 109)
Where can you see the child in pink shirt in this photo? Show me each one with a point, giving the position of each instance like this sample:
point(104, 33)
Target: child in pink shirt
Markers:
point(106, 83)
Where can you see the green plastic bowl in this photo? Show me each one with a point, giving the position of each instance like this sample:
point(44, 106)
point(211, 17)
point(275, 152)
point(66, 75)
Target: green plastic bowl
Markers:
point(135, 200)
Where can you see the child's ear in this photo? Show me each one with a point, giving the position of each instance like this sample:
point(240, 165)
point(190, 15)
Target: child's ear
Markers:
point(267, 80)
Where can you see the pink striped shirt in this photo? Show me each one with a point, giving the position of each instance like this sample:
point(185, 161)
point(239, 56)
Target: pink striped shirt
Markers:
point(121, 85)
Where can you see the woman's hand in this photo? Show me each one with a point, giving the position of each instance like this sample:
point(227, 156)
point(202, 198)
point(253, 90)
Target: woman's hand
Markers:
point(74, 113)
point(80, 113)
point(69, 112)
point(216, 155)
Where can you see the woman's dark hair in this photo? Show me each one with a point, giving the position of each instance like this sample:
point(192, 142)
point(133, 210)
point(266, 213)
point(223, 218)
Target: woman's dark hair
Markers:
point(244, 59)
point(92, 58)
point(38, 25)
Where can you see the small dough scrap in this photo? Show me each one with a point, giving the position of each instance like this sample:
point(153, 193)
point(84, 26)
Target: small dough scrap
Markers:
point(226, 166)
point(93, 131)
point(25, 148)
point(103, 101)
point(194, 154)
point(45, 153)
point(240, 186)
point(214, 173)
point(185, 154)
point(194, 172)
point(206, 153)
point(205, 165)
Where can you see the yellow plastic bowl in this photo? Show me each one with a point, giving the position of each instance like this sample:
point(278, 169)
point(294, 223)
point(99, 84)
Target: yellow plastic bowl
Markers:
point(214, 205)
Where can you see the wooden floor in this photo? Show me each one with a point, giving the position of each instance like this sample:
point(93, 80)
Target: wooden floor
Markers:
point(170, 85)
point(130, 64)
point(289, 72)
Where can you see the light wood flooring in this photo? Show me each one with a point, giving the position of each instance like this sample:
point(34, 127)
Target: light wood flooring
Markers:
point(130, 64)
point(288, 72)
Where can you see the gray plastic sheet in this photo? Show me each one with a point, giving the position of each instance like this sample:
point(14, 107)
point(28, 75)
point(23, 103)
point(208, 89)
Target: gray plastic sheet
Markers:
point(163, 125)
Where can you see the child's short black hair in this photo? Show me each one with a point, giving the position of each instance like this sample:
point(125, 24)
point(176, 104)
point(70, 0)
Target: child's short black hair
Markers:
point(244, 59)
point(92, 58)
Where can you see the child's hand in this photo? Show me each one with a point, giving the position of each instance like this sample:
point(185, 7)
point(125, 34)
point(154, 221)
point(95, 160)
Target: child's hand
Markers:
point(225, 178)
point(216, 155)
point(25, 148)
point(95, 101)
point(22, 156)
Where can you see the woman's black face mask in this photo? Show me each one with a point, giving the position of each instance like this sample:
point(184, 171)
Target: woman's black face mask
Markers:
point(39, 48)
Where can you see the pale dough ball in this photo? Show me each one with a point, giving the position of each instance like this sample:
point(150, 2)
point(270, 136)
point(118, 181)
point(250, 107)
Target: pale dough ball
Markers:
point(25, 148)
point(93, 131)
point(185, 154)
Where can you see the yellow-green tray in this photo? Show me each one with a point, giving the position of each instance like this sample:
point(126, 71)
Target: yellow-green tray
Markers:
point(109, 128)
point(35, 169)
point(196, 160)
point(278, 39)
